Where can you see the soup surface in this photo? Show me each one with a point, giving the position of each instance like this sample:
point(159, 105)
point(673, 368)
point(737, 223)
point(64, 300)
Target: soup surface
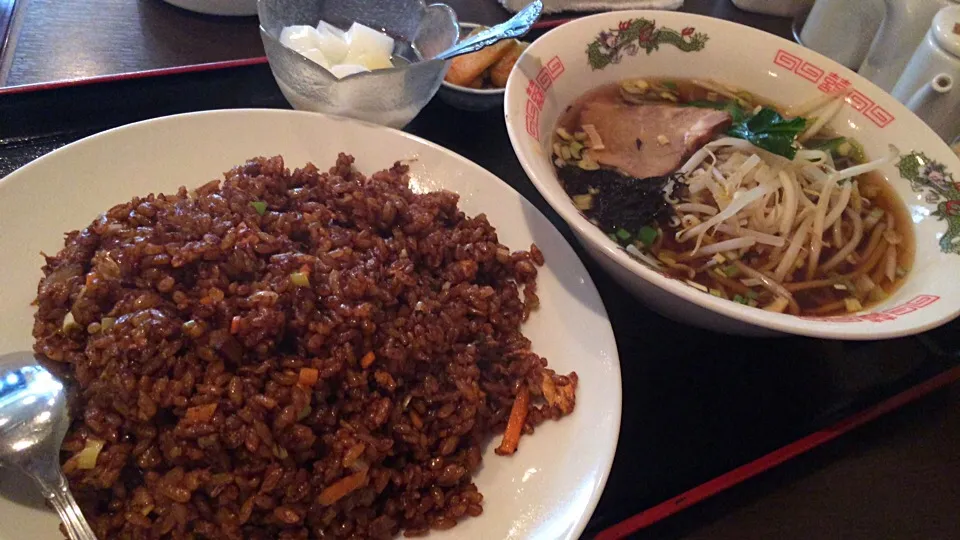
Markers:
point(738, 197)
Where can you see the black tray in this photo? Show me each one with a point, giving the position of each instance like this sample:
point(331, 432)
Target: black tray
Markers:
point(701, 411)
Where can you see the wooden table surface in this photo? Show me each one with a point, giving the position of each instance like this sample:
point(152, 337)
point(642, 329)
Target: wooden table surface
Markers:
point(896, 478)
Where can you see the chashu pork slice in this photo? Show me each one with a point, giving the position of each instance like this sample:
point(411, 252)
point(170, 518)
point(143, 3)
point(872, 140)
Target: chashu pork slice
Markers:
point(649, 140)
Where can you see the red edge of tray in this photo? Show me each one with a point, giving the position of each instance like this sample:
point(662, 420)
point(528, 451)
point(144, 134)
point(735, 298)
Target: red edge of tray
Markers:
point(177, 70)
point(777, 457)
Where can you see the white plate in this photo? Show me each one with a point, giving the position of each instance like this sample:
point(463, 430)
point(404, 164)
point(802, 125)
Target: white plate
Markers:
point(547, 490)
point(218, 7)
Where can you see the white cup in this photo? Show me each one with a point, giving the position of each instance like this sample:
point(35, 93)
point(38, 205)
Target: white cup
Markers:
point(842, 30)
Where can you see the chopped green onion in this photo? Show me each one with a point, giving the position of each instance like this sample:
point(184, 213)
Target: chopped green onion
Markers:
point(304, 413)
point(752, 295)
point(877, 294)
point(842, 147)
point(670, 84)
point(637, 87)
point(576, 150)
point(718, 293)
point(300, 279)
point(830, 145)
point(623, 234)
point(647, 235)
point(698, 286)
point(612, 237)
point(731, 271)
point(87, 458)
point(583, 202)
point(852, 305)
point(259, 206)
point(69, 323)
point(857, 153)
point(740, 300)
point(588, 164)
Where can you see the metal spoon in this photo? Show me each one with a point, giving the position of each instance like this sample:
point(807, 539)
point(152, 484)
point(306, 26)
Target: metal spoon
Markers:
point(517, 26)
point(33, 421)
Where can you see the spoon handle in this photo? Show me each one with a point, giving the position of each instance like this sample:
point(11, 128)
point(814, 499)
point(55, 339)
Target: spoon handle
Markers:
point(66, 506)
point(518, 25)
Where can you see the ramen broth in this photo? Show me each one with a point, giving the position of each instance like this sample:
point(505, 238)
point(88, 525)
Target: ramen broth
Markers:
point(752, 271)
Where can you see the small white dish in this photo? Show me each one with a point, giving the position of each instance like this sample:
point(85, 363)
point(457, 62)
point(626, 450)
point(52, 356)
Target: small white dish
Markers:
point(586, 53)
point(547, 490)
point(243, 8)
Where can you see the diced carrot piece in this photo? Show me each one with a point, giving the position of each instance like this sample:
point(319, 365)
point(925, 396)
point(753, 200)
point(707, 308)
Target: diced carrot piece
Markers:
point(518, 415)
point(235, 324)
point(353, 454)
point(367, 360)
point(341, 488)
point(201, 413)
point(308, 376)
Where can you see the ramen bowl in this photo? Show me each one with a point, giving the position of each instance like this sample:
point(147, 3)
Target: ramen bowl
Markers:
point(590, 52)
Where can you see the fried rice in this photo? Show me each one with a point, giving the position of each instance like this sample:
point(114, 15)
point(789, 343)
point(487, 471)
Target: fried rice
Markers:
point(291, 354)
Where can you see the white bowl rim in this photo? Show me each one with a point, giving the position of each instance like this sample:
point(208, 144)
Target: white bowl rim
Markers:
point(791, 324)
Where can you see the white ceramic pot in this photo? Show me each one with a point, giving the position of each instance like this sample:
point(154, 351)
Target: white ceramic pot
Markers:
point(586, 53)
point(930, 85)
point(904, 24)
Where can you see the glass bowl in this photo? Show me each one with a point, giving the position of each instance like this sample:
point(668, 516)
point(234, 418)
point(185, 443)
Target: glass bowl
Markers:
point(391, 97)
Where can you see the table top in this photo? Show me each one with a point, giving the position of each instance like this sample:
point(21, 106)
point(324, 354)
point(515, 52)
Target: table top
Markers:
point(56, 40)
point(894, 478)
